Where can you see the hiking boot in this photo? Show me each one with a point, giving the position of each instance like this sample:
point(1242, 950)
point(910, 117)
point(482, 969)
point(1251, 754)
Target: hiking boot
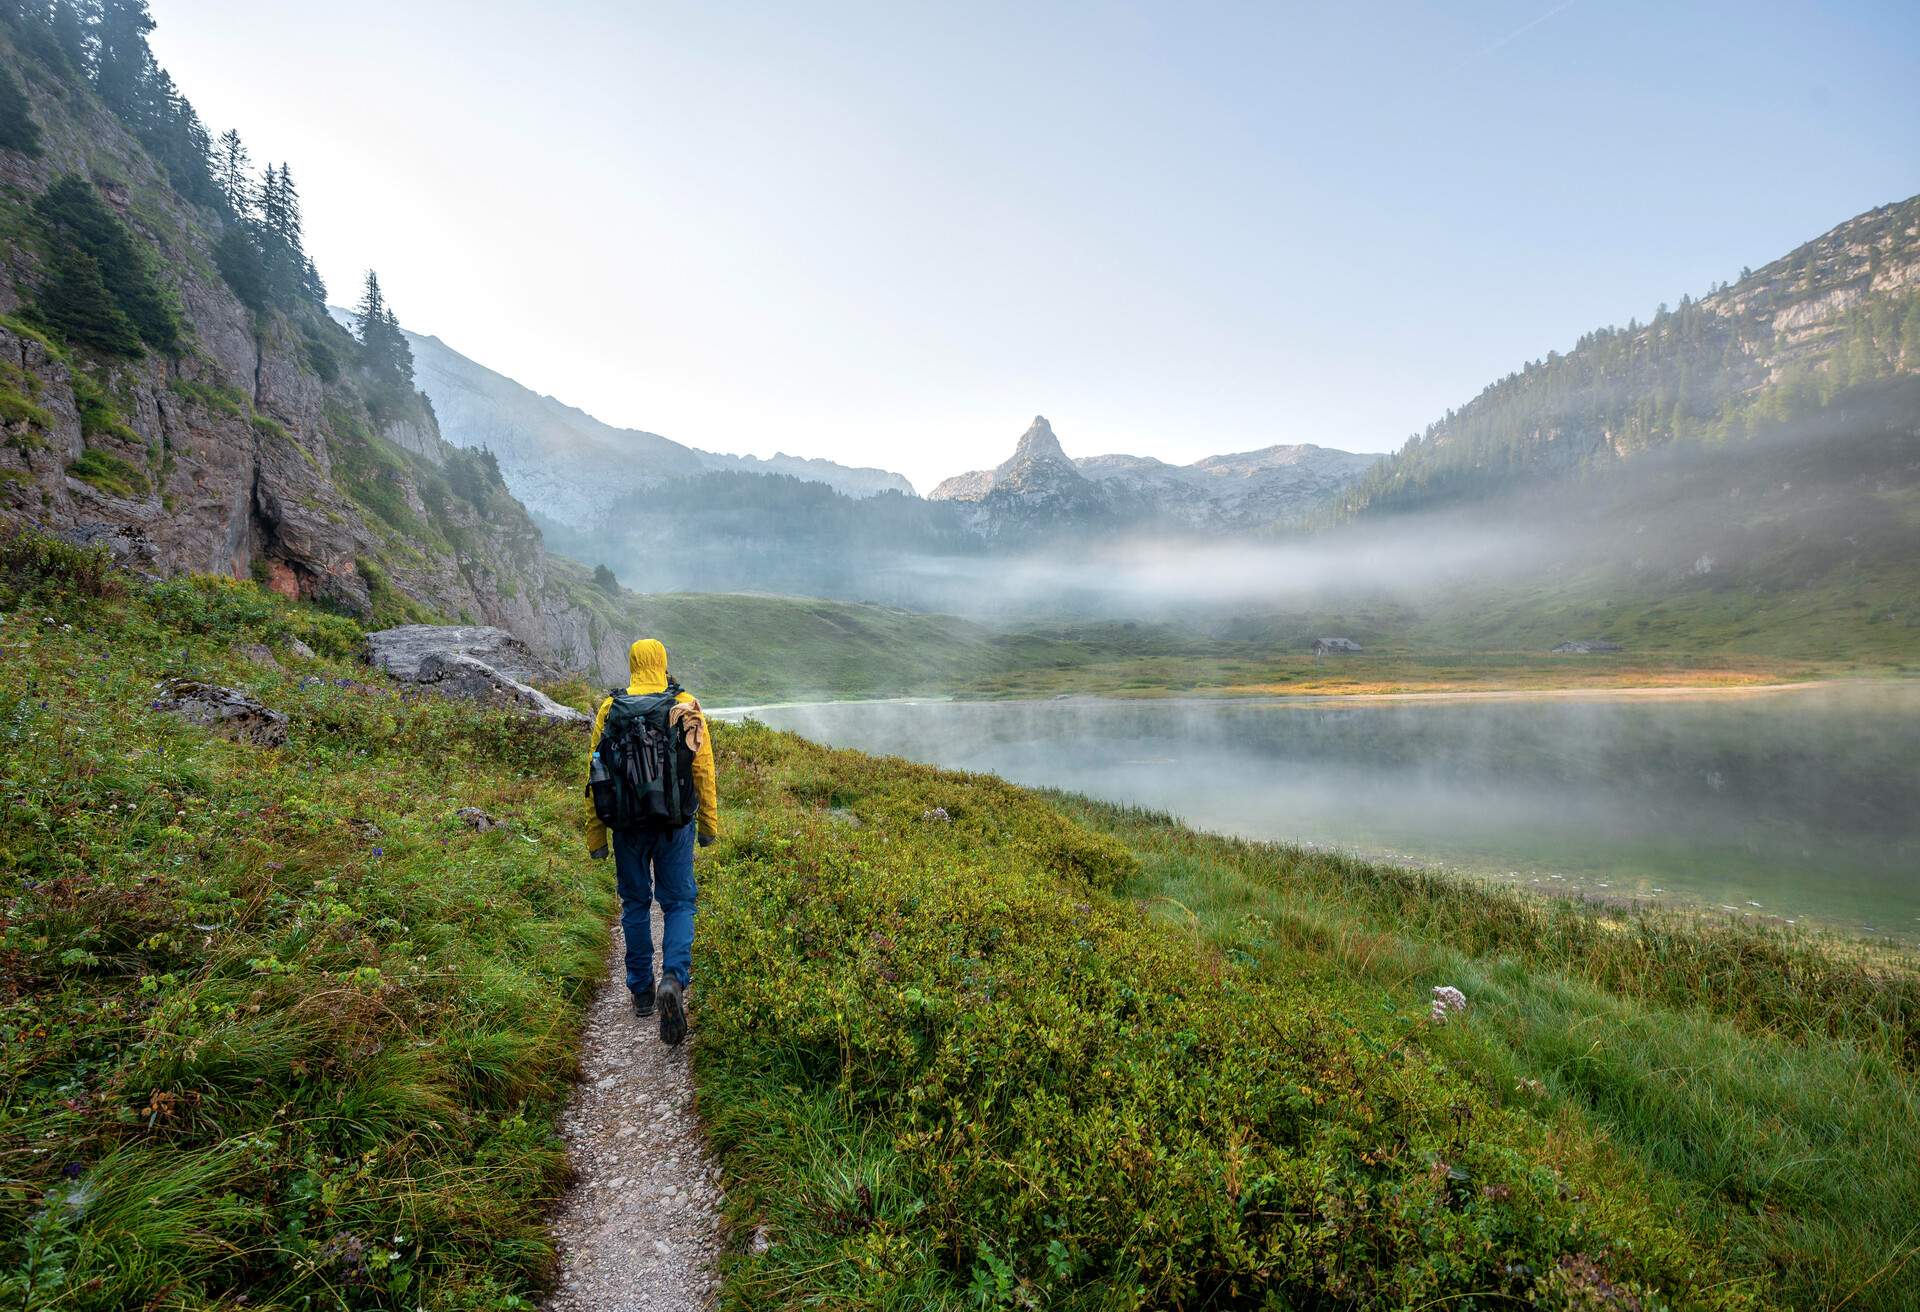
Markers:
point(643, 1001)
point(673, 1011)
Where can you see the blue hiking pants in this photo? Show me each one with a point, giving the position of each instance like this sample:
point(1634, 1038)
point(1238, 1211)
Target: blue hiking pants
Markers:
point(649, 865)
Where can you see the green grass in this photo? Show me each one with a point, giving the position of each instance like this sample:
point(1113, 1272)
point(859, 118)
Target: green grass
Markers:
point(738, 649)
point(945, 1067)
point(274, 1026)
point(1770, 1071)
point(218, 398)
point(111, 474)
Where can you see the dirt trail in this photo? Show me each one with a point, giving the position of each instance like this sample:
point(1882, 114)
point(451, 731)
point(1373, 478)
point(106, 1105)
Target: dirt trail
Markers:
point(639, 1229)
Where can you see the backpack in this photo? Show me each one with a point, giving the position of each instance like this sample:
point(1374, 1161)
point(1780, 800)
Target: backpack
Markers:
point(642, 776)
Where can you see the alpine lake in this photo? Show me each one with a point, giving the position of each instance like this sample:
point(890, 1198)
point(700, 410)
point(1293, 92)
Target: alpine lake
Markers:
point(1798, 804)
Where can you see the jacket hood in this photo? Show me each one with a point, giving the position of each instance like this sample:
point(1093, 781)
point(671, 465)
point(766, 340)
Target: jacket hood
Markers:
point(647, 666)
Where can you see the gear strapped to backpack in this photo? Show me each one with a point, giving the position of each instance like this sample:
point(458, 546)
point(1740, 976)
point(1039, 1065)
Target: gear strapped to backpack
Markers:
point(642, 775)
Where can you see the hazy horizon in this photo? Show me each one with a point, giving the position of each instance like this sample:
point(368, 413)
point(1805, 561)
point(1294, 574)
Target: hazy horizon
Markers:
point(889, 238)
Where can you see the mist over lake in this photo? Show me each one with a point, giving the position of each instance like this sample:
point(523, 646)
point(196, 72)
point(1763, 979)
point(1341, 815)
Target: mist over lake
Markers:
point(1802, 804)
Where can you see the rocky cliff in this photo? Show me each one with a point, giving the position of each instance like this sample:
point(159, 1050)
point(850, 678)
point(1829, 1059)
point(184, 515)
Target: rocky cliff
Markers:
point(252, 447)
point(1224, 493)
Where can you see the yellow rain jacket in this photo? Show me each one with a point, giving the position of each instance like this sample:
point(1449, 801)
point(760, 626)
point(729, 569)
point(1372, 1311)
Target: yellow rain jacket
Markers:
point(647, 666)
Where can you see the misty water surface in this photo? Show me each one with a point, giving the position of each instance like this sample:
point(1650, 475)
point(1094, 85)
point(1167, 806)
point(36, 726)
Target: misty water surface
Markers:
point(1802, 804)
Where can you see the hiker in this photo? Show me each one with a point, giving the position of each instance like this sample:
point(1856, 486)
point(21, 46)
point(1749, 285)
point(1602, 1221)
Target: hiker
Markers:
point(650, 781)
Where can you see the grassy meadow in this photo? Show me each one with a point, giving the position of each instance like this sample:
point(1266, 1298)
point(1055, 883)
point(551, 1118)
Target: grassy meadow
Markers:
point(278, 1030)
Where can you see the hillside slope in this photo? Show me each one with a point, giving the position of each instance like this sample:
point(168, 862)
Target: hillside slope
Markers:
point(1836, 312)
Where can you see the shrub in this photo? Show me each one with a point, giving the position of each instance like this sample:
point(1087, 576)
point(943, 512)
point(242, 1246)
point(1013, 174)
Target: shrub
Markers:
point(1083, 857)
point(31, 562)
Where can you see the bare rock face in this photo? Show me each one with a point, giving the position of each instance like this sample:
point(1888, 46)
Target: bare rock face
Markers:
point(402, 652)
point(453, 674)
point(226, 711)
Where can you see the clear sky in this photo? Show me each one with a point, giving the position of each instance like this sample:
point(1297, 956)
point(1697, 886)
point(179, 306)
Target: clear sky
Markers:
point(890, 233)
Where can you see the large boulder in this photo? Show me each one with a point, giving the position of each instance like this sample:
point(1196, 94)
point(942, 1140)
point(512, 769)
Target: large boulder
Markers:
point(455, 674)
point(226, 711)
point(402, 651)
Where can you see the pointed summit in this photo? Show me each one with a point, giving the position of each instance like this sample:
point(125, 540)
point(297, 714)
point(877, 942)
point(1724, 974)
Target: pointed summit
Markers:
point(1038, 443)
point(1037, 469)
point(1038, 452)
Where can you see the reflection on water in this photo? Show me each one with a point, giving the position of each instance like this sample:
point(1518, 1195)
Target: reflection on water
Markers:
point(1798, 804)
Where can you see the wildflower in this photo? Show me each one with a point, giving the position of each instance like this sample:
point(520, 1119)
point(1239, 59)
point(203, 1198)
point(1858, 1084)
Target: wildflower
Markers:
point(381, 851)
point(1446, 998)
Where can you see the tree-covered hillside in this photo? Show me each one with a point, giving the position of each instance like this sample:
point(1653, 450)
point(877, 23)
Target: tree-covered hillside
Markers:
point(1782, 342)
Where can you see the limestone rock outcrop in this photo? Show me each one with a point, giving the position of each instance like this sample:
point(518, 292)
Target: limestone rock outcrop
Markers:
point(476, 662)
point(225, 711)
point(402, 651)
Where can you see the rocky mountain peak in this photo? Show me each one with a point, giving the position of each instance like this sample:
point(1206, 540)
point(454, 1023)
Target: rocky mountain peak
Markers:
point(1037, 443)
point(1038, 463)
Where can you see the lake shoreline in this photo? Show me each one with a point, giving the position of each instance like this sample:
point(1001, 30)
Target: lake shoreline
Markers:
point(1629, 692)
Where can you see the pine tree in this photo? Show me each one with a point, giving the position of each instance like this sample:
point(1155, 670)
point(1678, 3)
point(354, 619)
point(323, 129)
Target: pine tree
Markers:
point(372, 311)
point(399, 354)
point(290, 226)
point(75, 219)
point(70, 34)
point(312, 284)
point(1910, 335)
point(231, 163)
point(384, 352)
point(237, 256)
point(123, 63)
point(18, 131)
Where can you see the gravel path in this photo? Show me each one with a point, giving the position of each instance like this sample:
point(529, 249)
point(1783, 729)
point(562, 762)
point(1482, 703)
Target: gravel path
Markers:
point(639, 1229)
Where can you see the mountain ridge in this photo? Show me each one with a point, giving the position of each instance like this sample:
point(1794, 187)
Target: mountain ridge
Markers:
point(570, 466)
point(1245, 490)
